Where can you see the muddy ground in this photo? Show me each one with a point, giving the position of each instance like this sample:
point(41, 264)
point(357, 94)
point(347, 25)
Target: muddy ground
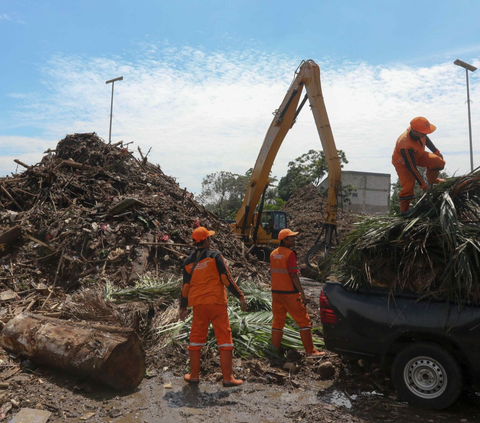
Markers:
point(357, 391)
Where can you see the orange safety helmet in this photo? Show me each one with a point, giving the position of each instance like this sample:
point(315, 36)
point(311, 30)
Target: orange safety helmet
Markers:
point(422, 125)
point(201, 234)
point(286, 232)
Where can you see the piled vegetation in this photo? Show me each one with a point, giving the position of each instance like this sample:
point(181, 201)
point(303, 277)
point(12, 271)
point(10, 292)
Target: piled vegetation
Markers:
point(433, 250)
point(251, 330)
point(91, 210)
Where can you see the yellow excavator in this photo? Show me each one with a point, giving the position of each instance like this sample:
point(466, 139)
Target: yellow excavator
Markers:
point(258, 228)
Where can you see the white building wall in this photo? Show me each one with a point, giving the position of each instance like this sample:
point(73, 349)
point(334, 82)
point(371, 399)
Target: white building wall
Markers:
point(373, 191)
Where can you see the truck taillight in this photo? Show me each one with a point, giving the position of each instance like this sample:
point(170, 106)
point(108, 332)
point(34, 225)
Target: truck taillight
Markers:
point(327, 315)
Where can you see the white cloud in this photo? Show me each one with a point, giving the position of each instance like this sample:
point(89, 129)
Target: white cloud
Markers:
point(27, 150)
point(5, 17)
point(203, 112)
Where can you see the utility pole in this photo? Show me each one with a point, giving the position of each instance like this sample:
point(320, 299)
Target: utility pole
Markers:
point(467, 68)
point(120, 78)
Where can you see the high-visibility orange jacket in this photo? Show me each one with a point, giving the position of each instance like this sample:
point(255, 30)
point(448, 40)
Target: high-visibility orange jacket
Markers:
point(408, 151)
point(283, 262)
point(206, 285)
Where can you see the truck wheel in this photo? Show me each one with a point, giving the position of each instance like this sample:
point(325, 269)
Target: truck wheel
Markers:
point(427, 376)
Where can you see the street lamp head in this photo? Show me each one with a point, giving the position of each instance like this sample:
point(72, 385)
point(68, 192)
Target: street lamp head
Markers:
point(465, 65)
point(120, 78)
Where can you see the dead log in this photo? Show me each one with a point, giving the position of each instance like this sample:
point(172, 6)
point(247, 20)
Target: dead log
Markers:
point(109, 355)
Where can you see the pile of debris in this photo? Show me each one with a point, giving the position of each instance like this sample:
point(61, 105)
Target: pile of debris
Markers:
point(90, 211)
point(306, 213)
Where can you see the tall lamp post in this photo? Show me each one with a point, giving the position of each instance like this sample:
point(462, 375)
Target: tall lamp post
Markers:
point(467, 68)
point(120, 78)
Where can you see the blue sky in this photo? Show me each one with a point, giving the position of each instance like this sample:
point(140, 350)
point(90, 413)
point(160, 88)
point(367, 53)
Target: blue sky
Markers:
point(202, 78)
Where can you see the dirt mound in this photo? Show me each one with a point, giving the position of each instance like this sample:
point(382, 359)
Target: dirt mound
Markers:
point(92, 210)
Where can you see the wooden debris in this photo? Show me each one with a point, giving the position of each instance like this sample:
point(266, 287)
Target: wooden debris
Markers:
point(21, 163)
point(109, 355)
point(125, 204)
point(86, 201)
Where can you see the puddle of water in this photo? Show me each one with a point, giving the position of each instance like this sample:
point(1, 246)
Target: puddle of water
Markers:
point(170, 399)
point(195, 397)
point(341, 399)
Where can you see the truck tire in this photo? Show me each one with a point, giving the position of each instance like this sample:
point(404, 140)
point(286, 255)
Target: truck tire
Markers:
point(427, 375)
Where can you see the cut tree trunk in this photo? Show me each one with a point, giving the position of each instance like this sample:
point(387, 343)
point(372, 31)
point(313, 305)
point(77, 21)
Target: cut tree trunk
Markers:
point(109, 355)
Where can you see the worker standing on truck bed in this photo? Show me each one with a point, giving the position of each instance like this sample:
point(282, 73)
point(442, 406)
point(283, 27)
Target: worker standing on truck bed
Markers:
point(205, 276)
point(287, 293)
point(410, 152)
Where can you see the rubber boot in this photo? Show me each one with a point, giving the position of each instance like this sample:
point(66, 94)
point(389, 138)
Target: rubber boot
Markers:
point(277, 336)
point(307, 341)
point(226, 365)
point(404, 206)
point(193, 378)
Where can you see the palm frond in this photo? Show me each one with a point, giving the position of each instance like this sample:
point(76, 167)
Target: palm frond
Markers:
point(433, 250)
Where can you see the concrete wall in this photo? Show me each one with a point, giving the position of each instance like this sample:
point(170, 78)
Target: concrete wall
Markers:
point(372, 195)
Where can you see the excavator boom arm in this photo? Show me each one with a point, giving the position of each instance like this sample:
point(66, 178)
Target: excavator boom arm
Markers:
point(308, 75)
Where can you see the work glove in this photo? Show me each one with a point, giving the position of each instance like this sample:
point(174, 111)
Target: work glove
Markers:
point(243, 304)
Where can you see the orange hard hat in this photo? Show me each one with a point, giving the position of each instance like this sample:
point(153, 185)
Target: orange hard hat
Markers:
point(422, 125)
point(286, 232)
point(201, 234)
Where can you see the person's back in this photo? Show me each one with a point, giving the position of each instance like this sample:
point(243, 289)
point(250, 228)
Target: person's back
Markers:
point(205, 277)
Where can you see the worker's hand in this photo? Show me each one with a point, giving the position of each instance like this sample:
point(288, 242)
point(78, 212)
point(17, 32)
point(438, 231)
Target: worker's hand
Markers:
point(243, 304)
point(425, 188)
point(184, 313)
point(303, 297)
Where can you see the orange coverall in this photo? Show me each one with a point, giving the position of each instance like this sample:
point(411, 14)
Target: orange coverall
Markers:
point(408, 153)
point(204, 290)
point(285, 296)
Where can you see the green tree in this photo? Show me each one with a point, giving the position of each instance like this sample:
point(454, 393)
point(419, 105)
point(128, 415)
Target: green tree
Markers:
point(310, 168)
point(223, 193)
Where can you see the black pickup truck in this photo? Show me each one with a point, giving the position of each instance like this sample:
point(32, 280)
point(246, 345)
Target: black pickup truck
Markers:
point(432, 346)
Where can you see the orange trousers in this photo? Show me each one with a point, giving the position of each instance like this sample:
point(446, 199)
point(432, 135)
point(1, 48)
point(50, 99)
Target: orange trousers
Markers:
point(292, 304)
point(431, 161)
point(217, 315)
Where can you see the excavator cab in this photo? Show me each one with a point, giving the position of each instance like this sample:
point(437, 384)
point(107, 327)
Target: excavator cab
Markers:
point(263, 237)
point(271, 223)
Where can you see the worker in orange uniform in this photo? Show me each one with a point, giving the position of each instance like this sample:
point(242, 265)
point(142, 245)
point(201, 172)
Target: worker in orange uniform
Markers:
point(409, 153)
point(205, 276)
point(287, 293)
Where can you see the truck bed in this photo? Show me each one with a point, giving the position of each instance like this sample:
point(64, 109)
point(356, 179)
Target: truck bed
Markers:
point(375, 324)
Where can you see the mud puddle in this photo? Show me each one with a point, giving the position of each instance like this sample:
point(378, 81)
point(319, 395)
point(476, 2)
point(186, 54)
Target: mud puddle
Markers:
point(167, 398)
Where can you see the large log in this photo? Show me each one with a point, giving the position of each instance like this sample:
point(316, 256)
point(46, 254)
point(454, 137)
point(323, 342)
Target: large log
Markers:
point(109, 355)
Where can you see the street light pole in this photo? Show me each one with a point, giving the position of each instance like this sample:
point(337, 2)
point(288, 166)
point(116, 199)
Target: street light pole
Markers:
point(467, 68)
point(120, 78)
